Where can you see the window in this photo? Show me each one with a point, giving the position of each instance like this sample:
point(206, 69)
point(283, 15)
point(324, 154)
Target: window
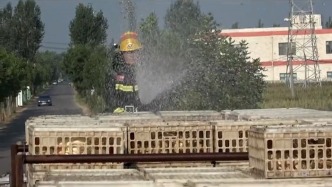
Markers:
point(283, 48)
point(329, 74)
point(329, 47)
point(284, 76)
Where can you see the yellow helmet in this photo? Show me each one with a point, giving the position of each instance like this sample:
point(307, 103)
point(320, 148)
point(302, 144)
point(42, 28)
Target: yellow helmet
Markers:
point(129, 42)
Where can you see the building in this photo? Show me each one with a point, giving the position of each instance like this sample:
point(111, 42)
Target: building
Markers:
point(270, 46)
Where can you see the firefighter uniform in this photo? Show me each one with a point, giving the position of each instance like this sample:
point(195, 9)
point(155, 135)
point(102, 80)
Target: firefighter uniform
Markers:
point(126, 89)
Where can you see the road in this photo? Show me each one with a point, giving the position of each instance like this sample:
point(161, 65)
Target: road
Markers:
point(63, 103)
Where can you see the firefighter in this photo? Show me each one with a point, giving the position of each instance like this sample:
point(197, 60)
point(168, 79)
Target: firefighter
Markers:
point(125, 83)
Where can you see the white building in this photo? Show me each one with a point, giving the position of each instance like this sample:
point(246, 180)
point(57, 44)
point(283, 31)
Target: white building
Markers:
point(269, 45)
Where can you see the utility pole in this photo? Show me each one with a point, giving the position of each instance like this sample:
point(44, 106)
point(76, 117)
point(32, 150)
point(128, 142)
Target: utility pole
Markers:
point(302, 52)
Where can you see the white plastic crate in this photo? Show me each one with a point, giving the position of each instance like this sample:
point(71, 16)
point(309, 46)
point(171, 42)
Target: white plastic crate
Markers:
point(78, 120)
point(190, 115)
point(95, 175)
point(76, 140)
point(66, 121)
point(232, 136)
point(291, 151)
point(33, 176)
point(170, 137)
point(98, 184)
point(199, 174)
point(56, 176)
point(282, 113)
point(129, 118)
point(233, 164)
point(230, 115)
point(172, 165)
point(40, 172)
point(261, 183)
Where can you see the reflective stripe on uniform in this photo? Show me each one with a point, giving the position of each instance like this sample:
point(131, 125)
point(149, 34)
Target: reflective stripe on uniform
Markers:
point(126, 88)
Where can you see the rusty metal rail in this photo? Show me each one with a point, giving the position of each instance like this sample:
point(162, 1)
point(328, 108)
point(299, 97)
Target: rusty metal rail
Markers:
point(21, 159)
point(14, 149)
point(177, 157)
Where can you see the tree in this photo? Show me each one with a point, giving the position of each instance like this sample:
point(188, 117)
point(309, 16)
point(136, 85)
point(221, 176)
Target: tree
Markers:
point(328, 24)
point(13, 74)
point(88, 27)
point(149, 29)
point(27, 29)
point(235, 25)
point(6, 15)
point(183, 18)
point(276, 25)
point(217, 76)
point(260, 24)
point(74, 62)
point(51, 62)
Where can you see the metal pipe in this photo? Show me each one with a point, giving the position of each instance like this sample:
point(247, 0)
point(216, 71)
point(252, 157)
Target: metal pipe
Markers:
point(13, 153)
point(22, 148)
point(14, 149)
point(178, 157)
point(19, 180)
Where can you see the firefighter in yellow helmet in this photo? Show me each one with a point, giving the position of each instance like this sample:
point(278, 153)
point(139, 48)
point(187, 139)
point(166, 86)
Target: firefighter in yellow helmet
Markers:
point(125, 84)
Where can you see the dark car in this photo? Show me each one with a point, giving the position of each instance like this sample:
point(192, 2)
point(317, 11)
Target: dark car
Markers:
point(44, 100)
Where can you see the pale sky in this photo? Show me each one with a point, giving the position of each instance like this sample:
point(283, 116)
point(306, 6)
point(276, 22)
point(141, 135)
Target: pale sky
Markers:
point(56, 14)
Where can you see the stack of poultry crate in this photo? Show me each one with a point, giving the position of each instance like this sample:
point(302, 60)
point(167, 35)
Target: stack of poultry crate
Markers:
point(232, 136)
point(291, 151)
point(171, 132)
point(179, 132)
point(66, 135)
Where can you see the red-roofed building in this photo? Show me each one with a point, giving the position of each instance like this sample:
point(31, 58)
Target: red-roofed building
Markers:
point(269, 44)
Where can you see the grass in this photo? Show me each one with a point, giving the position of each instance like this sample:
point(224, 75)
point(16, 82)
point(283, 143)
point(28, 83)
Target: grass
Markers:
point(278, 95)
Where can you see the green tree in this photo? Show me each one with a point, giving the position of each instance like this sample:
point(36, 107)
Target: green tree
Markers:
point(27, 29)
point(88, 27)
point(74, 62)
point(51, 62)
point(218, 75)
point(328, 24)
point(95, 76)
point(276, 25)
point(184, 18)
point(6, 15)
point(149, 28)
point(88, 68)
point(13, 74)
point(235, 25)
point(260, 24)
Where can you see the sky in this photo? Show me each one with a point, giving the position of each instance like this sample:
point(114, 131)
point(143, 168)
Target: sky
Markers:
point(57, 14)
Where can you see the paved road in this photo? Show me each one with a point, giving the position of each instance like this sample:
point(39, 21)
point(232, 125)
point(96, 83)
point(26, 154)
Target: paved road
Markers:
point(63, 103)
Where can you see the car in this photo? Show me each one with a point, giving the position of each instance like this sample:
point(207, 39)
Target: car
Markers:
point(44, 100)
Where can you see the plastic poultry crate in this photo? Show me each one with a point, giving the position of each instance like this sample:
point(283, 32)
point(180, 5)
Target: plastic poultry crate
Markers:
point(291, 151)
point(170, 137)
point(232, 136)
